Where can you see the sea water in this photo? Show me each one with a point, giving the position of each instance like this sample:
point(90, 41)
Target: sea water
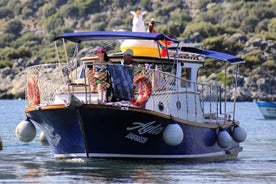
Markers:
point(34, 163)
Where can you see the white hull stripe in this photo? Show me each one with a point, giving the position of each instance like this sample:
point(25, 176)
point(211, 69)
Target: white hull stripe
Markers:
point(108, 155)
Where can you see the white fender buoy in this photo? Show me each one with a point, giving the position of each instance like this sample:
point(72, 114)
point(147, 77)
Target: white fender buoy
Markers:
point(173, 134)
point(1, 144)
point(239, 134)
point(224, 139)
point(25, 131)
point(43, 139)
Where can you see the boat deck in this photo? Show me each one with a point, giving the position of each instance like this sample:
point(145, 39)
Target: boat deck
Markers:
point(170, 95)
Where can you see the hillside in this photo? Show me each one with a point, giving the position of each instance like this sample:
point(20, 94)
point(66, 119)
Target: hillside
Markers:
point(244, 28)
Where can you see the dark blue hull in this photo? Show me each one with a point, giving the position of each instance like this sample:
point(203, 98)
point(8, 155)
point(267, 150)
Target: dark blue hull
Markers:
point(106, 131)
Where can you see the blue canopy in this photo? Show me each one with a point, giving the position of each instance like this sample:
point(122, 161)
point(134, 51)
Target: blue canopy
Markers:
point(121, 35)
point(112, 35)
point(214, 54)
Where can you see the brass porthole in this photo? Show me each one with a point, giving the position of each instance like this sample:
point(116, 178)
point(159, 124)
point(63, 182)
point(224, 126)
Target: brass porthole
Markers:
point(178, 105)
point(161, 106)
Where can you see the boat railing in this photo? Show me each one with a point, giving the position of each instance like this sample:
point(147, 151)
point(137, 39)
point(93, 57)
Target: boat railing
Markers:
point(182, 98)
point(170, 95)
point(43, 82)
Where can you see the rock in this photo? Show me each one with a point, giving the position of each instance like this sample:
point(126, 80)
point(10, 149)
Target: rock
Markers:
point(237, 37)
point(6, 71)
point(242, 94)
point(254, 42)
point(32, 62)
point(19, 84)
point(259, 84)
point(195, 38)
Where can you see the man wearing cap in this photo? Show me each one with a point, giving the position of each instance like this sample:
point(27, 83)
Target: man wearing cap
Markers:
point(127, 57)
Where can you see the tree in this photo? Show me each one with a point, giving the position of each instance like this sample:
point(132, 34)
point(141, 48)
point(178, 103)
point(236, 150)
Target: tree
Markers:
point(6, 39)
point(24, 52)
point(146, 5)
point(58, 3)
point(204, 29)
point(71, 12)
point(272, 26)
point(6, 13)
point(53, 22)
point(249, 23)
point(14, 27)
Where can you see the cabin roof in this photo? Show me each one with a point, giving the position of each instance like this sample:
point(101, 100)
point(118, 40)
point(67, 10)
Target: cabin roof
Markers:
point(214, 54)
point(112, 35)
point(121, 35)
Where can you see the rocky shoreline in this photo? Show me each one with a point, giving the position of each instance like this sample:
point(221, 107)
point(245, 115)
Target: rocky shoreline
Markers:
point(260, 85)
point(13, 79)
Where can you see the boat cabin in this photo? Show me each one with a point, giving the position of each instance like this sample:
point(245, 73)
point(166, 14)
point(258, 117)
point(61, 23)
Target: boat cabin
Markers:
point(166, 84)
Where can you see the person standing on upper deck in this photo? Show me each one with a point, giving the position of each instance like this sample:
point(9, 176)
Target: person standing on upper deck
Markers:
point(101, 73)
point(98, 75)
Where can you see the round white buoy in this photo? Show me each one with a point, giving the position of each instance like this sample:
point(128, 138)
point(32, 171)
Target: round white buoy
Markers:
point(173, 134)
point(1, 144)
point(224, 139)
point(239, 134)
point(43, 139)
point(25, 131)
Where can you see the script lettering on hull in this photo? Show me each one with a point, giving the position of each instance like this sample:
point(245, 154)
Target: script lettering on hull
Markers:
point(138, 131)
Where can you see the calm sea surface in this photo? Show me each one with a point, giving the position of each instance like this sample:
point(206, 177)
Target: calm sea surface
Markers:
point(34, 163)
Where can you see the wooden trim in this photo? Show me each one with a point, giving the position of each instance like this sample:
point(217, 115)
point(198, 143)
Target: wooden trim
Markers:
point(145, 111)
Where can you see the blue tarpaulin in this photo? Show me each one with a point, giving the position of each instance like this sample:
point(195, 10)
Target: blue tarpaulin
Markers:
point(121, 80)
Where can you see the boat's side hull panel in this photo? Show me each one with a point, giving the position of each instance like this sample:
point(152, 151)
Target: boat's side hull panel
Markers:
point(99, 132)
point(62, 129)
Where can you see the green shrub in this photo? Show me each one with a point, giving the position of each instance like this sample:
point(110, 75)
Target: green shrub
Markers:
point(229, 79)
point(270, 66)
point(253, 59)
point(214, 43)
point(6, 39)
point(6, 13)
point(53, 22)
point(14, 27)
point(203, 28)
point(5, 63)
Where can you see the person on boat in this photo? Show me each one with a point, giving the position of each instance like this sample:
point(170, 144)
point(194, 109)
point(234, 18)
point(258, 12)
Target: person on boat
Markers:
point(151, 26)
point(98, 75)
point(127, 58)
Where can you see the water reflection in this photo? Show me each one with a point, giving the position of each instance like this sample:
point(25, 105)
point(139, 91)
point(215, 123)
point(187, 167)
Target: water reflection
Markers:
point(42, 168)
point(108, 171)
point(94, 170)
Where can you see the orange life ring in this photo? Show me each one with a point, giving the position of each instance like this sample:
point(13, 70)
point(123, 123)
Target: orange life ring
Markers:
point(33, 93)
point(144, 90)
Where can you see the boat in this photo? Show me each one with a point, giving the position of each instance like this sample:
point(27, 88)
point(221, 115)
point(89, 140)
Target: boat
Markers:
point(160, 111)
point(1, 144)
point(267, 108)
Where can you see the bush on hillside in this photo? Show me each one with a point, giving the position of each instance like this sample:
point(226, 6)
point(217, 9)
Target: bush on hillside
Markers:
point(14, 27)
point(6, 13)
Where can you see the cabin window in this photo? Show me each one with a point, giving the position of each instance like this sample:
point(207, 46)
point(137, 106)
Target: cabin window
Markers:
point(169, 68)
point(186, 77)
